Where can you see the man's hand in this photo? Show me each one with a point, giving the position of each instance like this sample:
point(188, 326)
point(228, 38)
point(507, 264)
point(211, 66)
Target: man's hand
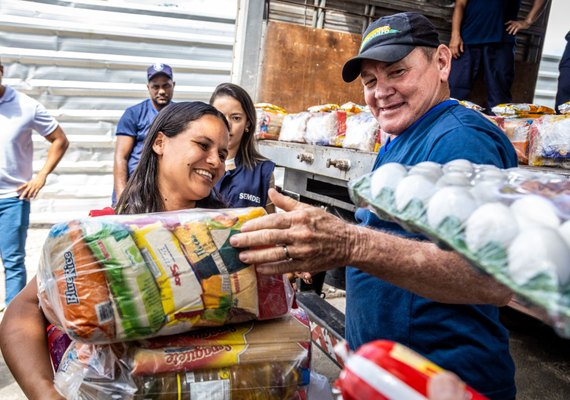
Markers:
point(30, 189)
point(313, 239)
point(514, 26)
point(456, 46)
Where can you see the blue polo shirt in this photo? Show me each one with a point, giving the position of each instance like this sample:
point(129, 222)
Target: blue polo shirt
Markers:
point(466, 339)
point(135, 123)
point(484, 21)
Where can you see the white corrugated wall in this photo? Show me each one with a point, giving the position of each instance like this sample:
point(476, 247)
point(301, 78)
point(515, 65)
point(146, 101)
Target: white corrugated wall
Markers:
point(86, 60)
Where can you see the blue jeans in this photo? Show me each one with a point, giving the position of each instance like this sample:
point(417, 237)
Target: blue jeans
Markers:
point(14, 221)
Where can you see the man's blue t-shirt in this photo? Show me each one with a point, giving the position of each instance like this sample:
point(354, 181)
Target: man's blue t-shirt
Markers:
point(484, 21)
point(135, 123)
point(466, 339)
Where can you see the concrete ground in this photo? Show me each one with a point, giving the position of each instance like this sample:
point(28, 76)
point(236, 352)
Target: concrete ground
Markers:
point(541, 357)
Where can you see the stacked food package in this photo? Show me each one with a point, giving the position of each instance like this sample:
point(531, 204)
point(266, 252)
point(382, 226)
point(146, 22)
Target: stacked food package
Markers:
point(362, 131)
point(269, 121)
point(512, 224)
point(550, 141)
point(326, 125)
point(129, 277)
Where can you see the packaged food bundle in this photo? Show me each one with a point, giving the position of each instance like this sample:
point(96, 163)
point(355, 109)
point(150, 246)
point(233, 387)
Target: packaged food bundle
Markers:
point(255, 360)
point(326, 128)
point(351, 108)
point(323, 108)
point(521, 110)
point(471, 105)
point(564, 108)
point(126, 277)
point(383, 369)
point(550, 141)
point(269, 121)
point(361, 132)
point(294, 127)
point(512, 224)
point(518, 132)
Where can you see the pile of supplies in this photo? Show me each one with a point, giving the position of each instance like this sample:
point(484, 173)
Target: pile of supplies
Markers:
point(512, 224)
point(160, 306)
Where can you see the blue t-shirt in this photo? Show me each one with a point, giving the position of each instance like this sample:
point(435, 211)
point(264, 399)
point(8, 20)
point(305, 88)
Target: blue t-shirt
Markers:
point(466, 339)
point(245, 187)
point(135, 123)
point(484, 21)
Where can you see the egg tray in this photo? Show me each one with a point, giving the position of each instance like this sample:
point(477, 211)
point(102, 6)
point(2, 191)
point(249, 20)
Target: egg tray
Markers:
point(540, 294)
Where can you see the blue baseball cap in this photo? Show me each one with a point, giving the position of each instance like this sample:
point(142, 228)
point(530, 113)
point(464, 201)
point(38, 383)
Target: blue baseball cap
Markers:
point(391, 38)
point(158, 68)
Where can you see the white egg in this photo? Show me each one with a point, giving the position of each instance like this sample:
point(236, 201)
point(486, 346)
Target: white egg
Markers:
point(539, 250)
point(491, 222)
point(450, 201)
point(459, 165)
point(387, 176)
point(533, 210)
point(413, 187)
point(564, 230)
point(485, 192)
point(428, 169)
point(453, 179)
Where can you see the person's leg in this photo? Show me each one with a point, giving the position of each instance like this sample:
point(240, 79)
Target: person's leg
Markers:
point(464, 72)
point(14, 220)
point(563, 92)
point(499, 72)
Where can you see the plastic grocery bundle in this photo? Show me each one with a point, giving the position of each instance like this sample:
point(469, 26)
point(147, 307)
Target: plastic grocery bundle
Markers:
point(269, 120)
point(362, 130)
point(512, 224)
point(564, 108)
point(383, 370)
point(522, 110)
point(294, 127)
point(267, 360)
point(550, 141)
point(126, 277)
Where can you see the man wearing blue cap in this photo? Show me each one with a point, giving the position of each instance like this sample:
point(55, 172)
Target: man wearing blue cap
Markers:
point(133, 125)
point(402, 287)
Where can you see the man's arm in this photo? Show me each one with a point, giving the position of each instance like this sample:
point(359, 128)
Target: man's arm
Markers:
point(514, 26)
point(318, 241)
point(59, 145)
point(123, 149)
point(456, 41)
point(24, 345)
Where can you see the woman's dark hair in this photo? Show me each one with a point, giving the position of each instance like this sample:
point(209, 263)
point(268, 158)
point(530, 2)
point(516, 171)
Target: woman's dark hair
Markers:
point(247, 152)
point(142, 194)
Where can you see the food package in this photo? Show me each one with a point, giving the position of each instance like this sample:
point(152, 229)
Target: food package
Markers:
point(564, 108)
point(326, 128)
point(521, 110)
point(323, 108)
point(351, 108)
point(382, 370)
point(361, 132)
point(269, 121)
point(255, 360)
point(470, 105)
point(518, 132)
point(550, 141)
point(294, 127)
point(511, 224)
point(127, 277)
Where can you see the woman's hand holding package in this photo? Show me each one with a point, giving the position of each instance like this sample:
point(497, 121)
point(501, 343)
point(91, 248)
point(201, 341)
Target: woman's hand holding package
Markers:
point(304, 238)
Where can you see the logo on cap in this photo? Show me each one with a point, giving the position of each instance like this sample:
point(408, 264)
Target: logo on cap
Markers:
point(158, 67)
point(383, 30)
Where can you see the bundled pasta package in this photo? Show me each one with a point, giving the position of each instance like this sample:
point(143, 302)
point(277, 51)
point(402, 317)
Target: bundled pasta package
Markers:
point(326, 128)
point(362, 131)
point(126, 277)
point(550, 141)
point(521, 110)
point(518, 132)
point(513, 224)
point(294, 127)
point(254, 360)
point(269, 121)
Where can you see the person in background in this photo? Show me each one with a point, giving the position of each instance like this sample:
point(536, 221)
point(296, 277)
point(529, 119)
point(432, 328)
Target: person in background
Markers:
point(483, 37)
point(563, 92)
point(248, 175)
point(180, 163)
point(400, 286)
point(133, 125)
point(20, 115)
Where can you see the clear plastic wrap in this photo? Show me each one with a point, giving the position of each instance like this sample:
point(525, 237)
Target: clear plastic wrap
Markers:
point(518, 132)
point(564, 108)
point(256, 360)
point(521, 110)
point(326, 128)
point(127, 277)
point(269, 121)
point(294, 127)
point(362, 130)
point(550, 141)
point(512, 224)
